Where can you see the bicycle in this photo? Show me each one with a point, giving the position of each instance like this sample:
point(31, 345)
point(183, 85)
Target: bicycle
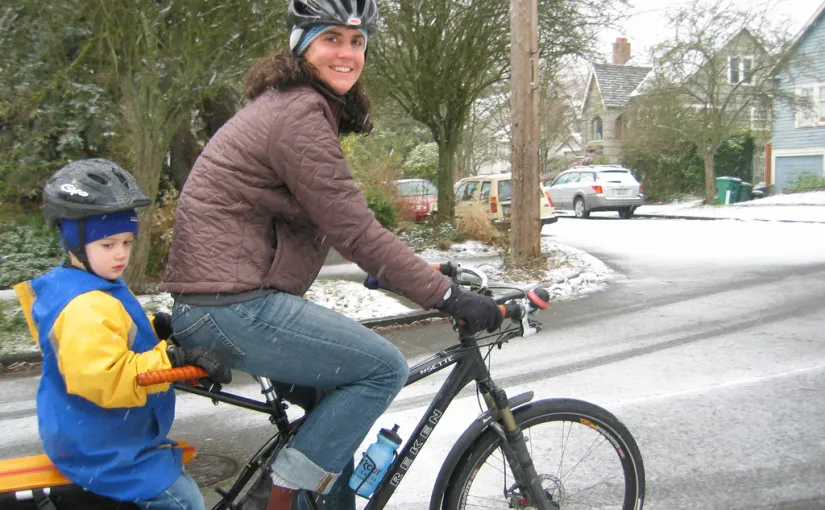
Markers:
point(494, 462)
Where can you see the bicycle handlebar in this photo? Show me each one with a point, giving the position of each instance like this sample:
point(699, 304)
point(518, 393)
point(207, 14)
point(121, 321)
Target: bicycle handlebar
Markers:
point(170, 375)
point(537, 298)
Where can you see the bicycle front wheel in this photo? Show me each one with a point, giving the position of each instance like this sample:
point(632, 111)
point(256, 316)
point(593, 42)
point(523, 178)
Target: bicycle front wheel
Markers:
point(584, 456)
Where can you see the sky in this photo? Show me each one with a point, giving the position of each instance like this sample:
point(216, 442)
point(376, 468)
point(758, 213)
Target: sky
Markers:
point(647, 24)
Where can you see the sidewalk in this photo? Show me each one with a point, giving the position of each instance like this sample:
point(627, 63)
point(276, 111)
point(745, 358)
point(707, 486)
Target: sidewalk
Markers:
point(797, 208)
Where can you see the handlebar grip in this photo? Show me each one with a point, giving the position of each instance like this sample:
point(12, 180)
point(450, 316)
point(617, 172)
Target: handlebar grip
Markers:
point(447, 268)
point(504, 312)
point(171, 375)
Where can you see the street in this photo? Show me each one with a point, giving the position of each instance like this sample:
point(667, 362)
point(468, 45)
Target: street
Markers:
point(708, 345)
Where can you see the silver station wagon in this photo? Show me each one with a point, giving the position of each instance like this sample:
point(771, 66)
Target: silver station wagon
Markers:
point(586, 189)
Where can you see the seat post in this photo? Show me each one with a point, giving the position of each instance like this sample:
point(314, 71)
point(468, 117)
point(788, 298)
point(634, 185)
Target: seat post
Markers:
point(278, 416)
point(267, 389)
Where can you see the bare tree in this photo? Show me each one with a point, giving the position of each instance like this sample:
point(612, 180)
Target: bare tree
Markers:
point(164, 58)
point(713, 77)
point(435, 58)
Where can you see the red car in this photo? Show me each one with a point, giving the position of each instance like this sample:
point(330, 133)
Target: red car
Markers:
point(416, 197)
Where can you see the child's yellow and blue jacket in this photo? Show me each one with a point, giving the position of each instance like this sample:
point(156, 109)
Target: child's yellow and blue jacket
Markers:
point(99, 428)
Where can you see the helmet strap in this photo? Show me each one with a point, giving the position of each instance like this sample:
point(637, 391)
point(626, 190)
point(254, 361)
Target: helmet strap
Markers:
point(78, 251)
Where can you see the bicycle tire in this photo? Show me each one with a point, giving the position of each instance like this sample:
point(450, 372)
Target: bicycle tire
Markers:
point(483, 462)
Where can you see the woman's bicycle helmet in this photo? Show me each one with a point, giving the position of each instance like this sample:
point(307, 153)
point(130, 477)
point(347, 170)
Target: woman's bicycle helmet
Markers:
point(361, 14)
point(90, 187)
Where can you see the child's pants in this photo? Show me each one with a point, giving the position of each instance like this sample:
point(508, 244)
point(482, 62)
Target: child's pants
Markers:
point(181, 495)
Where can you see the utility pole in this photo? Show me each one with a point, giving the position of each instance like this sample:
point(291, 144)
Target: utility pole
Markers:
point(524, 109)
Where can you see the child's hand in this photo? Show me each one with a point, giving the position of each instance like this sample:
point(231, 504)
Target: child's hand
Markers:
point(182, 356)
point(163, 325)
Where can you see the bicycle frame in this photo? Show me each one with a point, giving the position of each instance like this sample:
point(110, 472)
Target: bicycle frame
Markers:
point(470, 366)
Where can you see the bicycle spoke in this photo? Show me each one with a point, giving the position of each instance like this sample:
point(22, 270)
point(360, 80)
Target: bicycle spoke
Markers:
point(588, 472)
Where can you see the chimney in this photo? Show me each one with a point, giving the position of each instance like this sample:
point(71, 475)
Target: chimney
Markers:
point(621, 51)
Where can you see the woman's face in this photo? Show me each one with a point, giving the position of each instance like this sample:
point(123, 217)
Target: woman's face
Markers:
point(338, 57)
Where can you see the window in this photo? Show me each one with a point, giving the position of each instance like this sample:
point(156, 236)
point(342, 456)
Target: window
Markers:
point(562, 179)
point(811, 110)
point(505, 190)
point(758, 120)
point(597, 128)
point(621, 129)
point(485, 191)
point(416, 188)
point(587, 177)
point(739, 69)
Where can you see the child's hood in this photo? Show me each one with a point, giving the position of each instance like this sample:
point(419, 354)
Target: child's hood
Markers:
point(55, 283)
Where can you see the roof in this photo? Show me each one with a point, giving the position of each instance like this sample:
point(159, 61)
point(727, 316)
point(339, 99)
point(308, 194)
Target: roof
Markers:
point(617, 82)
point(808, 25)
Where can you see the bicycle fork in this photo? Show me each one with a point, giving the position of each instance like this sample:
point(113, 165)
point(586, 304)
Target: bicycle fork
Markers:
point(514, 448)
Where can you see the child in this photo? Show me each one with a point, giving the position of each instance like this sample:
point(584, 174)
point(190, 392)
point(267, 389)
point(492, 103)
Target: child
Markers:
point(99, 428)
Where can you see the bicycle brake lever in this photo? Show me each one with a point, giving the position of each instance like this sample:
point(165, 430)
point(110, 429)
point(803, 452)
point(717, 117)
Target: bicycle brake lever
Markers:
point(526, 326)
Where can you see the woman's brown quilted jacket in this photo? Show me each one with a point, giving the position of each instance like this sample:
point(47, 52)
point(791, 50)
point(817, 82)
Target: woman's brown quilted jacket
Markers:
point(269, 196)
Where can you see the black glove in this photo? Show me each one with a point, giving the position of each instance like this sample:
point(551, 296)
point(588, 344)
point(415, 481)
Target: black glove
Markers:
point(163, 325)
point(182, 356)
point(479, 312)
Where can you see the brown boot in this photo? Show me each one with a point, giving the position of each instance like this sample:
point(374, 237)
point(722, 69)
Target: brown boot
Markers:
point(281, 499)
point(258, 496)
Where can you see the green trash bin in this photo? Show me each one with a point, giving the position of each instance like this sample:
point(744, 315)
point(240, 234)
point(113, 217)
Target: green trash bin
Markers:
point(745, 192)
point(727, 189)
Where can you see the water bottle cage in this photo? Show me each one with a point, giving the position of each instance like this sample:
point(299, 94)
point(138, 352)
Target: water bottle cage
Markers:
point(373, 467)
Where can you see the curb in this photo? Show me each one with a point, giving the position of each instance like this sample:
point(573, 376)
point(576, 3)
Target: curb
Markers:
point(710, 218)
point(382, 322)
point(676, 217)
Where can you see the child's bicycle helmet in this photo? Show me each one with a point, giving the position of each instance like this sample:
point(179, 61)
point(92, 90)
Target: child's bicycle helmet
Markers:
point(85, 189)
point(90, 187)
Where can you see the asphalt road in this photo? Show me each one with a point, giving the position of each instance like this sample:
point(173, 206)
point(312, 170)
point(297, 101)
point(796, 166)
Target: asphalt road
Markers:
point(709, 346)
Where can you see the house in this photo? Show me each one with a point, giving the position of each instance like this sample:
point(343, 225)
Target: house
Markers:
point(609, 87)
point(798, 132)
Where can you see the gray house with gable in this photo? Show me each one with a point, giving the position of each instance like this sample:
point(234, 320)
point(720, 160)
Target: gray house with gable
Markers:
point(609, 88)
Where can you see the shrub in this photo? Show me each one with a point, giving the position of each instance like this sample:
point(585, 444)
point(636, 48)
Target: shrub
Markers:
point(383, 206)
point(806, 182)
point(475, 224)
point(420, 236)
point(27, 251)
point(160, 233)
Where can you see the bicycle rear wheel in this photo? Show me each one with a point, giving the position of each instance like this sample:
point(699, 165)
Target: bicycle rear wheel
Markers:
point(585, 457)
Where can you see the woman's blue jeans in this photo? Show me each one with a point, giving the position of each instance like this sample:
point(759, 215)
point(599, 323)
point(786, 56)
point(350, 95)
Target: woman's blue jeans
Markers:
point(291, 340)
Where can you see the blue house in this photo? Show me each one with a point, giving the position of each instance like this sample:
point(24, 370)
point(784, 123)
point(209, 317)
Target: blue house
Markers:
point(798, 144)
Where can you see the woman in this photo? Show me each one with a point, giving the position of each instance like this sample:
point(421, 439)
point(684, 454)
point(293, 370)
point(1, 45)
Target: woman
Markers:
point(266, 200)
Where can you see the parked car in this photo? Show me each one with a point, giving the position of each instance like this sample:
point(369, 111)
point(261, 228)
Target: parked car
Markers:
point(495, 193)
point(417, 198)
point(586, 189)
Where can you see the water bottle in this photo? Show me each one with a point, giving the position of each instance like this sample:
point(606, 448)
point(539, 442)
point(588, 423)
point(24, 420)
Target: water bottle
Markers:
point(374, 463)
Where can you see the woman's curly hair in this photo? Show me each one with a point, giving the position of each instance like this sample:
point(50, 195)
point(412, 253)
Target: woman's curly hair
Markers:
point(284, 70)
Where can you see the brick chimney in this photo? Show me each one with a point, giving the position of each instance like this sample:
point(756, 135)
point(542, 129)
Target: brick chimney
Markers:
point(621, 51)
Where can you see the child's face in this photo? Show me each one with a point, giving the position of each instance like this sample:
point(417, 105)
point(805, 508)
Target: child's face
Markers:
point(108, 257)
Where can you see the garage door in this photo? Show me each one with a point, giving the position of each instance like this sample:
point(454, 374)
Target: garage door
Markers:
point(789, 168)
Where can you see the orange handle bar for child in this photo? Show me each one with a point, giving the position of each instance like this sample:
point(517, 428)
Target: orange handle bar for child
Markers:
point(170, 375)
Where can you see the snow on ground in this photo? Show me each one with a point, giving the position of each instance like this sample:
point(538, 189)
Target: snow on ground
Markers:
point(570, 273)
point(467, 249)
point(803, 207)
point(809, 198)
